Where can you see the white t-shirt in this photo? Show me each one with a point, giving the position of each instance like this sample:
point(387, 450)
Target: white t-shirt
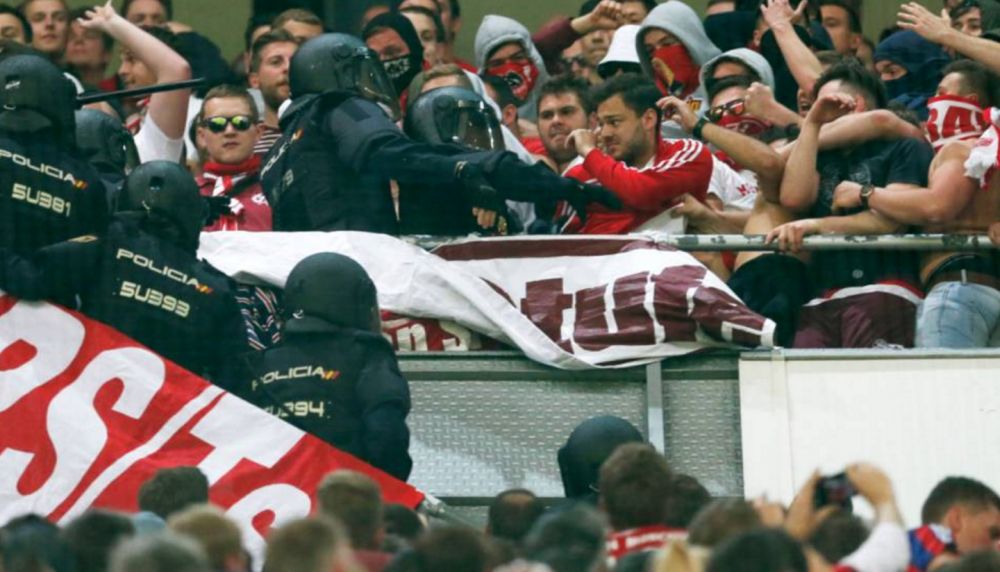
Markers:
point(737, 191)
point(154, 145)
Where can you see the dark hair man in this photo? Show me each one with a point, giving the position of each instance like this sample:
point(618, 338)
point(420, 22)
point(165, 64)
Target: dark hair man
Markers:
point(333, 374)
point(885, 312)
point(271, 56)
point(512, 514)
point(159, 553)
point(172, 490)
point(570, 540)
point(627, 155)
point(14, 26)
point(843, 23)
point(563, 107)
point(88, 53)
point(39, 206)
point(148, 12)
point(228, 131)
point(330, 169)
point(959, 516)
point(635, 485)
point(93, 535)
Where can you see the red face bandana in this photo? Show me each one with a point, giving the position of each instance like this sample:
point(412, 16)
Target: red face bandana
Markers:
point(745, 124)
point(674, 71)
point(521, 76)
point(953, 118)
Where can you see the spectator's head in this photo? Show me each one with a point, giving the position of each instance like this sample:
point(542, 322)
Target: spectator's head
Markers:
point(374, 8)
point(762, 550)
point(270, 59)
point(687, 498)
point(843, 23)
point(394, 39)
point(14, 26)
point(740, 62)
point(87, 49)
point(148, 12)
point(728, 107)
point(137, 73)
point(402, 521)
point(635, 11)
point(49, 21)
point(564, 106)
point(302, 24)
point(512, 514)
point(172, 490)
point(165, 552)
point(308, 545)
point(955, 113)
point(970, 80)
point(504, 48)
point(571, 540)
point(218, 536)
point(672, 46)
point(499, 91)
point(909, 65)
point(33, 544)
point(621, 57)
point(441, 75)
point(93, 536)
point(594, 44)
point(594, 440)
point(838, 536)
point(355, 500)
point(635, 484)
point(257, 26)
point(628, 119)
point(826, 59)
point(967, 18)
point(430, 30)
point(722, 519)
point(452, 548)
point(852, 78)
point(970, 509)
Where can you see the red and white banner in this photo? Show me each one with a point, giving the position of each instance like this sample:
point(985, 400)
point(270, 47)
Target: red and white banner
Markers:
point(87, 415)
point(569, 302)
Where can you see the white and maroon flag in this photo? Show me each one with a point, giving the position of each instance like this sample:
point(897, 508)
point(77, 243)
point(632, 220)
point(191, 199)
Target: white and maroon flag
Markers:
point(569, 302)
point(87, 415)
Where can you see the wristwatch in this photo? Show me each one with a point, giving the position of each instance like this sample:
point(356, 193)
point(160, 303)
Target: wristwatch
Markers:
point(702, 122)
point(866, 193)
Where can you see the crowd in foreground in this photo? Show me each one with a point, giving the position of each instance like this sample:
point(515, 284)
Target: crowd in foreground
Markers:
point(625, 510)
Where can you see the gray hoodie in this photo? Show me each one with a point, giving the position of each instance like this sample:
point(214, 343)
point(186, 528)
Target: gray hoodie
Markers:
point(683, 22)
point(495, 31)
point(747, 57)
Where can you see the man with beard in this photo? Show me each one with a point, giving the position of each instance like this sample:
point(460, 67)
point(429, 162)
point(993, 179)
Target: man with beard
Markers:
point(270, 57)
point(394, 39)
point(563, 107)
point(648, 174)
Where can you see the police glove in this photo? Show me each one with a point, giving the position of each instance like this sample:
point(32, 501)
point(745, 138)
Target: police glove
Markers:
point(217, 206)
point(481, 193)
point(580, 195)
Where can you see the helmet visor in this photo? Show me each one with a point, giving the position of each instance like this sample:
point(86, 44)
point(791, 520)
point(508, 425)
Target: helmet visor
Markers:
point(474, 125)
point(374, 84)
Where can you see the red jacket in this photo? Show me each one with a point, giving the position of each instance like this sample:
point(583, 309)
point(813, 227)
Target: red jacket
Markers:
point(680, 167)
point(249, 206)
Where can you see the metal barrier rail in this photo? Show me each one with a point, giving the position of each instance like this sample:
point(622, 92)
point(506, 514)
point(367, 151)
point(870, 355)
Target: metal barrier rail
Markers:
point(755, 242)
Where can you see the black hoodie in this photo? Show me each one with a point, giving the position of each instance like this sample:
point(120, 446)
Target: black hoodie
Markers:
point(400, 70)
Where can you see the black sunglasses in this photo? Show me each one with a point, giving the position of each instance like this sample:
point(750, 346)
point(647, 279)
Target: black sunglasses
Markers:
point(218, 123)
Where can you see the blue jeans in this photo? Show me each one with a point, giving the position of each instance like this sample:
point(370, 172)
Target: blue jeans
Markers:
point(959, 315)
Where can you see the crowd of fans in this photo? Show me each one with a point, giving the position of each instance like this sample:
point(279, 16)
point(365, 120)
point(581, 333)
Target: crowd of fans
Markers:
point(625, 510)
point(780, 118)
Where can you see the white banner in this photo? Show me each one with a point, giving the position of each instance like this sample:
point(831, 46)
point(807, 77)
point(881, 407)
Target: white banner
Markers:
point(569, 302)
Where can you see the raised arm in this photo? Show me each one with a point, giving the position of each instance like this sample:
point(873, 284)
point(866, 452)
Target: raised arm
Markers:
point(802, 62)
point(168, 109)
point(913, 16)
point(859, 128)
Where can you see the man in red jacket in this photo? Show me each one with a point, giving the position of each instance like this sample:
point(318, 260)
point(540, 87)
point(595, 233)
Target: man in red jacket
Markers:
point(627, 156)
point(228, 129)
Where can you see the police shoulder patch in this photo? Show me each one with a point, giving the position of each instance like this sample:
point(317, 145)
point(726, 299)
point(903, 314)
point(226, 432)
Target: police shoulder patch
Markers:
point(85, 238)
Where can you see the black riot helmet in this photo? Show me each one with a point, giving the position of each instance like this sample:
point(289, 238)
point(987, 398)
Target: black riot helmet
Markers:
point(35, 95)
point(105, 143)
point(334, 288)
point(340, 62)
point(454, 115)
point(168, 195)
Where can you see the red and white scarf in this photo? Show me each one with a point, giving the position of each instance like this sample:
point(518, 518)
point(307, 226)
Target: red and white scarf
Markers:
point(985, 157)
point(953, 118)
point(228, 177)
point(134, 121)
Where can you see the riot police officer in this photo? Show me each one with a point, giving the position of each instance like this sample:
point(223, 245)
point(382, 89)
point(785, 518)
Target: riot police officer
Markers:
point(331, 168)
point(104, 142)
point(47, 192)
point(333, 374)
point(142, 277)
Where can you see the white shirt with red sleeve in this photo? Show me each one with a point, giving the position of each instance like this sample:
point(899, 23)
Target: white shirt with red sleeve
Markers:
point(681, 166)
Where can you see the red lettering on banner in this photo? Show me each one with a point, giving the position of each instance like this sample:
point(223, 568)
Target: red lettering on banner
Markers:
point(543, 303)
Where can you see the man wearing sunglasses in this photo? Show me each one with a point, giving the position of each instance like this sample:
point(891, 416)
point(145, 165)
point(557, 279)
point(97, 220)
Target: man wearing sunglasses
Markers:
point(228, 130)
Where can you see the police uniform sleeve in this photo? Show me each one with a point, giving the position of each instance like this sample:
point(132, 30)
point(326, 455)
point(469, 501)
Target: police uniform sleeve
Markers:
point(57, 272)
point(385, 399)
point(228, 369)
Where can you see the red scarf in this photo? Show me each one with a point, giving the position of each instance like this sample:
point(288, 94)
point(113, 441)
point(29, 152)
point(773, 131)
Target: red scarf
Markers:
point(248, 167)
point(953, 118)
point(675, 71)
point(625, 542)
point(134, 121)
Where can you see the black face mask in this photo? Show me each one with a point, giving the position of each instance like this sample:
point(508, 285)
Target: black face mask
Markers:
point(401, 71)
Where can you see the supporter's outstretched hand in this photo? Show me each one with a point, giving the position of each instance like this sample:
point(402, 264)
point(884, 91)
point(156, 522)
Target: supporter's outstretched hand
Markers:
point(759, 99)
point(803, 517)
point(607, 15)
point(580, 195)
point(679, 112)
point(779, 12)
point(692, 208)
point(583, 141)
point(98, 17)
point(831, 107)
point(871, 483)
point(913, 16)
point(790, 235)
point(995, 233)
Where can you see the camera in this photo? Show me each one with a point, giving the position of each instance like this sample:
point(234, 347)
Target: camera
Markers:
point(836, 490)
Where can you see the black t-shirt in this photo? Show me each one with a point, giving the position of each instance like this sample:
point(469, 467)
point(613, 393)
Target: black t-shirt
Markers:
point(878, 163)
